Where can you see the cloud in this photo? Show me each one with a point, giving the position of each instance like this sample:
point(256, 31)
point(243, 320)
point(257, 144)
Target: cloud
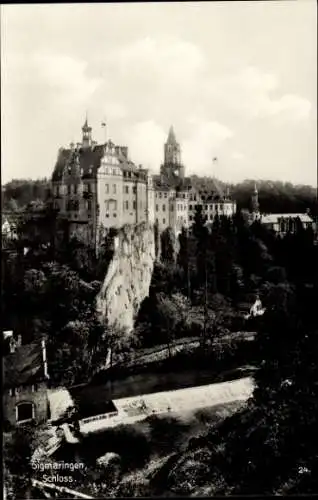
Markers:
point(174, 58)
point(294, 107)
point(64, 78)
point(205, 139)
point(146, 141)
point(66, 75)
point(255, 94)
point(237, 155)
point(114, 110)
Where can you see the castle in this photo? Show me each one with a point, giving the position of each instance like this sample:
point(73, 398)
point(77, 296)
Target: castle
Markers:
point(97, 187)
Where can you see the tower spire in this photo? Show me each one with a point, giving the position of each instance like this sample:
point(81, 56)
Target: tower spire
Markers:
point(171, 136)
point(87, 133)
point(255, 202)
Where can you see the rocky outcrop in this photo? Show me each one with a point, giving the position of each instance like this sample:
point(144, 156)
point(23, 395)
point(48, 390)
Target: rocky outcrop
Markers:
point(128, 277)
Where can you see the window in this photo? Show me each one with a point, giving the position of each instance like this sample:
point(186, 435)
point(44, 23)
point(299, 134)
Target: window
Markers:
point(68, 189)
point(190, 217)
point(157, 208)
point(114, 215)
point(206, 207)
point(134, 189)
point(106, 188)
point(89, 205)
point(114, 188)
point(163, 221)
point(89, 188)
point(163, 207)
point(126, 205)
point(166, 194)
point(160, 195)
point(24, 412)
point(134, 205)
point(190, 207)
point(58, 190)
point(171, 208)
point(127, 189)
point(75, 188)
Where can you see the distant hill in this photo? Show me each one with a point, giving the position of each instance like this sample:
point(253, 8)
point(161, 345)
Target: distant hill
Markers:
point(274, 197)
point(18, 193)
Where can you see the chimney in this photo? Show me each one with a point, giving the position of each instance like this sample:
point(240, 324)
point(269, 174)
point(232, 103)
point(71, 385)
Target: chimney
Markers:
point(46, 374)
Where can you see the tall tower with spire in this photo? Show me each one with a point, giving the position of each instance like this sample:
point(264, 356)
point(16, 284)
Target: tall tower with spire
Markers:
point(255, 202)
point(172, 166)
point(87, 135)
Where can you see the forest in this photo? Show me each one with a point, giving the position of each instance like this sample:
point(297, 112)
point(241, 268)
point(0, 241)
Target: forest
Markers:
point(274, 197)
point(199, 287)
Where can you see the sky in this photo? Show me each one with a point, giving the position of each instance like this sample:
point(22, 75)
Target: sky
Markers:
point(237, 80)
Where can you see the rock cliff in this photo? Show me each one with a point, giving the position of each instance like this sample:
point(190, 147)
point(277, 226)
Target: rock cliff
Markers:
point(128, 277)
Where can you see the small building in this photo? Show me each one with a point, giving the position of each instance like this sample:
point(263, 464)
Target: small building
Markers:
point(25, 383)
point(284, 223)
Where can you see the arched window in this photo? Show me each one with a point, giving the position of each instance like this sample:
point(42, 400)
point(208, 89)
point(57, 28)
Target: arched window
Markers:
point(24, 411)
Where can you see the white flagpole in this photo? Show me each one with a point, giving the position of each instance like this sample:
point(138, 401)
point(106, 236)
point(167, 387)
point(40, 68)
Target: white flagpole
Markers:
point(104, 126)
point(215, 161)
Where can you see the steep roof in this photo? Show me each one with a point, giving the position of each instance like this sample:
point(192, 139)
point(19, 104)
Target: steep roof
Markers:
point(171, 136)
point(274, 218)
point(24, 366)
point(161, 183)
point(89, 161)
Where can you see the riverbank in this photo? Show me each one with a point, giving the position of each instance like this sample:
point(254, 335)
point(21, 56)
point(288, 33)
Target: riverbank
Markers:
point(143, 450)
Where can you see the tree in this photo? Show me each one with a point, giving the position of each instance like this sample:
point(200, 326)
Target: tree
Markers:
point(168, 246)
point(18, 449)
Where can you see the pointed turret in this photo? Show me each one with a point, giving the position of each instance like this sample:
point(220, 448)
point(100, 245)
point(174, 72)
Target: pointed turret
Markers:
point(254, 202)
point(87, 134)
point(171, 136)
point(172, 166)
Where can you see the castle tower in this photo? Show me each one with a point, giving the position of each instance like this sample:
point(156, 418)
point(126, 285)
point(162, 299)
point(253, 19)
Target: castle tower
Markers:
point(255, 203)
point(172, 157)
point(87, 135)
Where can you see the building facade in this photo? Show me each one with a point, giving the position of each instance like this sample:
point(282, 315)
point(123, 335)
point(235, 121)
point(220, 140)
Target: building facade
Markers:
point(97, 187)
point(282, 224)
point(25, 384)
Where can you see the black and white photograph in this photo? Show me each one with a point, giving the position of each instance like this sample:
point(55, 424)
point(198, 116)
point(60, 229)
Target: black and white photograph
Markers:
point(159, 257)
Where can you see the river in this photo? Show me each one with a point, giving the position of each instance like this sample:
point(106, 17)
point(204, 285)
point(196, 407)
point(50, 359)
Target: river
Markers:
point(146, 383)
